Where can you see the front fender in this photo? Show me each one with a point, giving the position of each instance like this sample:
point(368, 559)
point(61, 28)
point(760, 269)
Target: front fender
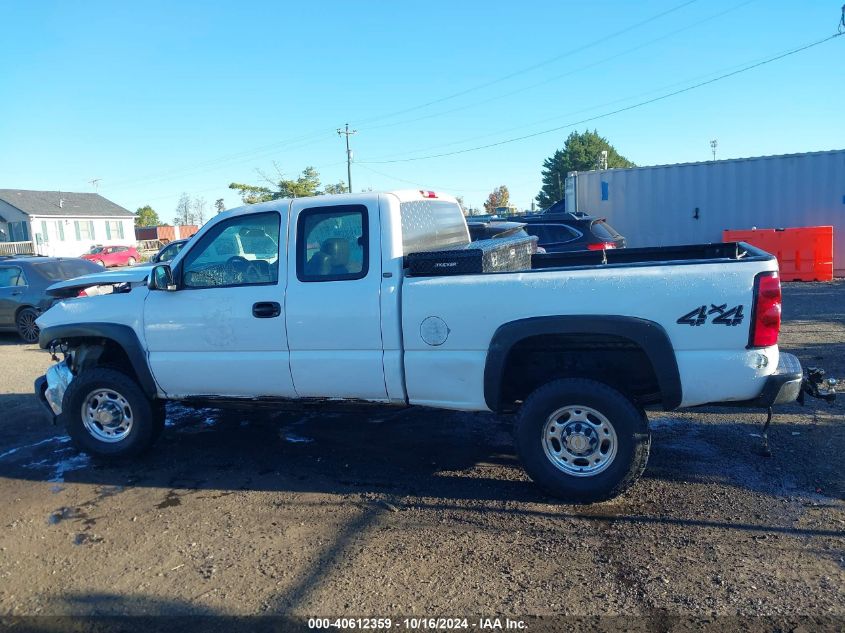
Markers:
point(122, 335)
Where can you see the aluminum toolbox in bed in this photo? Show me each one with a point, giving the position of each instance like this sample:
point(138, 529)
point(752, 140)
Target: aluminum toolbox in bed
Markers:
point(498, 255)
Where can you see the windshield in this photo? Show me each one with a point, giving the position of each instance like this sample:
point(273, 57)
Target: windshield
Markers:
point(96, 249)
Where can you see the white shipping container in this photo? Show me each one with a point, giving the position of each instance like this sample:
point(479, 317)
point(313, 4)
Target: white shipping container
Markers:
point(693, 202)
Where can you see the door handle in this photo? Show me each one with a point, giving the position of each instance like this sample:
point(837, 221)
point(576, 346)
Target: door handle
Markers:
point(17, 292)
point(266, 309)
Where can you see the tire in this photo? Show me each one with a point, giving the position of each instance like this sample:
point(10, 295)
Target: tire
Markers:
point(581, 440)
point(101, 263)
point(25, 323)
point(109, 392)
point(130, 261)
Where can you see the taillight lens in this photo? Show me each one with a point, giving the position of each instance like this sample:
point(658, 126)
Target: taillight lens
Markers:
point(765, 326)
point(82, 293)
point(600, 246)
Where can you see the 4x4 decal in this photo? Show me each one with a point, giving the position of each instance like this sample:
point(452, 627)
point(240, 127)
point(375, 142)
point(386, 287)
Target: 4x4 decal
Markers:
point(724, 316)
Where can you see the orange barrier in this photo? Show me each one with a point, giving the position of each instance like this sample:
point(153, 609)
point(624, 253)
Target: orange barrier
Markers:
point(804, 254)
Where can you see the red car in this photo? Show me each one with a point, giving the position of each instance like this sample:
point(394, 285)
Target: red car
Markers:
point(112, 255)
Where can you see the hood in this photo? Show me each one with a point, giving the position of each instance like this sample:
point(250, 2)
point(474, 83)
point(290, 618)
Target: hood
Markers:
point(71, 287)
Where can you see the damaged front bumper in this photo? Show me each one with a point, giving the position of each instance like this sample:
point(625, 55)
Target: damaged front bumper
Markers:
point(50, 388)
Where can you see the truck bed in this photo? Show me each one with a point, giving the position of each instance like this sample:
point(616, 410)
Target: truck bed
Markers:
point(650, 256)
point(718, 253)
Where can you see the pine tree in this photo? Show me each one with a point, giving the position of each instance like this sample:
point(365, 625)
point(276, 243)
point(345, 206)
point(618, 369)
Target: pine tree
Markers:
point(581, 152)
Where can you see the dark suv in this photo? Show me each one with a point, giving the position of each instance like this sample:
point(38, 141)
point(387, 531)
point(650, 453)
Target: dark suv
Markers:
point(559, 231)
point(23, 281)
point(556, 230)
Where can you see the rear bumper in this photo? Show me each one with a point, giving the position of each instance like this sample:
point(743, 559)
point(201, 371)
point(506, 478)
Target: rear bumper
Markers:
point(781, 387)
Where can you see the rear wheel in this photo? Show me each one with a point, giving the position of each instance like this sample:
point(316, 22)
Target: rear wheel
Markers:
point(25, 322)
point(581, 440)
point(108, 415)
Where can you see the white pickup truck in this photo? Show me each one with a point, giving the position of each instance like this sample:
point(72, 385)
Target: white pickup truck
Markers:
point(312, 299)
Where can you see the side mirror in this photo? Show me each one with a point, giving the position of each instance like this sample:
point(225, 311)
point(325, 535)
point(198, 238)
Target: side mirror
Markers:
point(161, 278)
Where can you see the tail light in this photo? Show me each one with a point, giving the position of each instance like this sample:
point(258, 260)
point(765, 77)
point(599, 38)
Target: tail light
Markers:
point(765, 319)
point(82, 293)
point(601, 246)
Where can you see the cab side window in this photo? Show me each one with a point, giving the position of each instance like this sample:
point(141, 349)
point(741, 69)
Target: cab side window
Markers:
point(241, 251)
point(332, 243)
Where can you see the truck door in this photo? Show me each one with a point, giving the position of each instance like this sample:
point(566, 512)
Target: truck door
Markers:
point(222, 332)
point(333, 309)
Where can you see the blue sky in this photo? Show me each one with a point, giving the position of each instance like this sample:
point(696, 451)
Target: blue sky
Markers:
point(160, 98)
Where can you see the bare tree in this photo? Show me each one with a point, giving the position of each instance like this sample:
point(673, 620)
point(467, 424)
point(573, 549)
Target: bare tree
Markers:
point(198, 207)
point(183, 210)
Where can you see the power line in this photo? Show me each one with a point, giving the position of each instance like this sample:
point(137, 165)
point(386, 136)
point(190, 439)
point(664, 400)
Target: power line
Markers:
point(568, 73)
point(527, 69)
point(419, 184)
point(251, 154)
point(618, 111)
point(558, 117)
point(209, 165)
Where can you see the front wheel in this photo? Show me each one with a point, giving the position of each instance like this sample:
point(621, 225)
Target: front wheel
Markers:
point(581, 440)
point(130, 261)
point(107, 415)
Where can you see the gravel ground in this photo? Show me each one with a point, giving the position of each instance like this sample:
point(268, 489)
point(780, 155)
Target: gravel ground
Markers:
point(426, 513)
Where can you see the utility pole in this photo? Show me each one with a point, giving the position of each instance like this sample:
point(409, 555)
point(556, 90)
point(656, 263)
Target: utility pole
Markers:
point(713, 145)
point(347, 132)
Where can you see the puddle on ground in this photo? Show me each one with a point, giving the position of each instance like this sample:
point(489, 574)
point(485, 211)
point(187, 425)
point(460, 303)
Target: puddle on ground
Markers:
point(57, 438)
point(82, 539)
point(77, 462)
point(109, 491)
point(171, 500)
point(293, 438)
point(186, 418)
point(64, 514)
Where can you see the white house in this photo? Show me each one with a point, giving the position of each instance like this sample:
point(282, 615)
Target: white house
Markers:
point(61, 223)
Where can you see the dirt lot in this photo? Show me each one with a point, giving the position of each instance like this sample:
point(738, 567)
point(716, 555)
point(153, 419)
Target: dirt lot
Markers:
point(426, 513)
